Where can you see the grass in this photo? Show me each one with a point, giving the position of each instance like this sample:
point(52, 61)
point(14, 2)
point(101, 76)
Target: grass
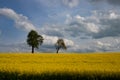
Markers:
point(46, 66)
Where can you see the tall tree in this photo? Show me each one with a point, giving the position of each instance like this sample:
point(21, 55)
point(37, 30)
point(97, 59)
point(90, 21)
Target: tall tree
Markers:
point(60, 44)
point(34, 39)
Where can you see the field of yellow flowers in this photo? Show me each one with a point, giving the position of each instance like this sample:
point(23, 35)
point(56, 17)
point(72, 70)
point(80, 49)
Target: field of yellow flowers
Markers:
point(92, 65)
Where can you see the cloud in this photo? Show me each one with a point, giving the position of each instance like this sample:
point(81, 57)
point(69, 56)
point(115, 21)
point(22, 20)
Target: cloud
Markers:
point(71, 3)
point(98, 25)
point(51, 40)
point(96, 45)
point(48, 3)
point(108, 44)
point(113, 2)
point(20, 47)
point(81, 26)
point(20, 20)
point(47, 46)
point(49, 43)
point(102, 44)
point(85, 34)
point(57, 3)
point(51, 30)
point(109, 23)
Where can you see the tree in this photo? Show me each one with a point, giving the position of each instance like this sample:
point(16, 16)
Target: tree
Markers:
point(60, 44)
point(34, 40)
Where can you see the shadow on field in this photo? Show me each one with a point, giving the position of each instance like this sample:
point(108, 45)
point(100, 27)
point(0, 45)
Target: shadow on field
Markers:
point(4, 75)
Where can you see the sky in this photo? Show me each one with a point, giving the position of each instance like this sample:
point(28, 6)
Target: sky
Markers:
point(85, 25)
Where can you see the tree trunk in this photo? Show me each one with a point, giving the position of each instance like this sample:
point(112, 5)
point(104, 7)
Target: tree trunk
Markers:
point(57, 50)
point(32, 49)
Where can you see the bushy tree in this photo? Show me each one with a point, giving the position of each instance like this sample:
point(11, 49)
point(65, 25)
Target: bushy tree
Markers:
point(34, 39)
point(60, 44)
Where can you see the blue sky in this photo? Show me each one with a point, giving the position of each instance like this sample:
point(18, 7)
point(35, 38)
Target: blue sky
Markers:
point(85, 25)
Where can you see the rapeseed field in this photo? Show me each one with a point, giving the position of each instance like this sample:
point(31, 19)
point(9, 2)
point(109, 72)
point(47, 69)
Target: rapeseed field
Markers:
point(59, 66)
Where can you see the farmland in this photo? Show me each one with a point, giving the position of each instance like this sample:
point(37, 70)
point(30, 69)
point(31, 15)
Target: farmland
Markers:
point(61, 66)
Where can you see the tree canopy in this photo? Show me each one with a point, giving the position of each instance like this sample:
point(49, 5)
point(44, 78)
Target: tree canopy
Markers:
point(60, 44)
point(34, 39)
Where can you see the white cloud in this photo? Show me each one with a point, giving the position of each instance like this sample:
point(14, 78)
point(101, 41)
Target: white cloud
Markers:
point(20, 20)
point(109, 23)
point(98, 45)
point(71, 3)
point(92, 27)
point(79, 17)
point(48, 40)
point(101, 44)
point(98, 25)
point(79, 25)
point(69, 42)
point(113, 15)
point(51, 40)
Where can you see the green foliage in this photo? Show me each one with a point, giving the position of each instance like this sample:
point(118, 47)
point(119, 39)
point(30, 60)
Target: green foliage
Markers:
point(59, 76)
point(34, 40)
point(60, 44)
